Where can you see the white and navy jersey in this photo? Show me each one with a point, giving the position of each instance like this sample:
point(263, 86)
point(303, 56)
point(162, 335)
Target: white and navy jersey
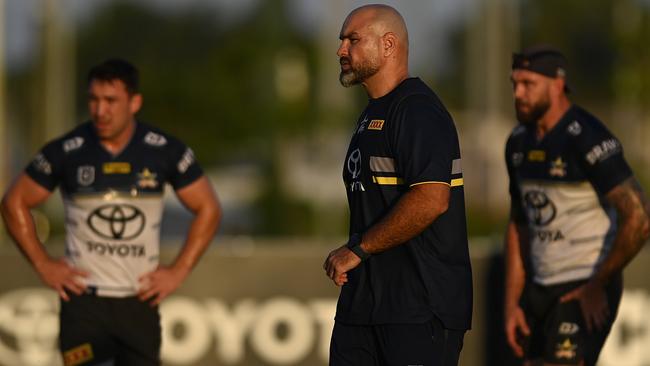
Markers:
point(557, 188)
point(113, 203)
point(404, 139)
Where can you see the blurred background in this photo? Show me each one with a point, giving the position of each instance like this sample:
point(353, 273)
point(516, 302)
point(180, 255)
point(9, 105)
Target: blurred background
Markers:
point(252, 86)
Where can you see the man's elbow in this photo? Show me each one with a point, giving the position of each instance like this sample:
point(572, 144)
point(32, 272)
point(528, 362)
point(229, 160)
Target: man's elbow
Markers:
point(437, 210)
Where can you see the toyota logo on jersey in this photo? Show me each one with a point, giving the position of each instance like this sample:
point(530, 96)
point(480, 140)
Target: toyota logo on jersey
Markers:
point(117, 221)
point(354, 163)
point(541, 210)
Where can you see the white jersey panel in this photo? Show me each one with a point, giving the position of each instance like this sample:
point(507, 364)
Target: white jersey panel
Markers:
point(115, 237)
point(571, 232)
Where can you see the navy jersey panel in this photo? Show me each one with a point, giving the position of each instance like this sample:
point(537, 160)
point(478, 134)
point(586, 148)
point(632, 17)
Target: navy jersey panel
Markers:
point(601, 152)
point(557, 188)
point(80, 164)
point(403, 138)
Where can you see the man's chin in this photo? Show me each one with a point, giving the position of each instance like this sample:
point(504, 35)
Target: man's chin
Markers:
point(348, 79)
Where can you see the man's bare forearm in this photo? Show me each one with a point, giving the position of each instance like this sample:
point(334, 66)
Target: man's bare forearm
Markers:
point(515, 273)
point(633, 228)
point(412, 214)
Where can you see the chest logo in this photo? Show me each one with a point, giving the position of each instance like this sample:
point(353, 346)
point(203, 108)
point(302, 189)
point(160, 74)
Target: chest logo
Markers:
point(116, 221)
point(541, 210)
point(558, 168)
point(376, 124)
point(354, 163)
point(86, 175)
point(354, 168)
point(116, 168)
point(537, 155)
point(147, 179)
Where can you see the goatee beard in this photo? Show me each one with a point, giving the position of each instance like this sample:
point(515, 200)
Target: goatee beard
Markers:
point(536, 112)
point(358, 75)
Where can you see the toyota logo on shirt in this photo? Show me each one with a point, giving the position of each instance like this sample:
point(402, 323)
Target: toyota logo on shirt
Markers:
point(117, 221)
point(354, 163)
point(541, 210)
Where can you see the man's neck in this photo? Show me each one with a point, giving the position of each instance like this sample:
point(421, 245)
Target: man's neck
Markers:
point(116, 144)
point(384, 82)
point(552, 116)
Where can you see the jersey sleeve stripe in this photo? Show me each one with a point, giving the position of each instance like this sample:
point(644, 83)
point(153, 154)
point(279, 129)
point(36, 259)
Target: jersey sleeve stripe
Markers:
point(454, 183)
point(387, 180)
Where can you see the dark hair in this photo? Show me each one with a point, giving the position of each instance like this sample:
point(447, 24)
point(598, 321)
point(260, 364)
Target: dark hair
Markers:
point(116, 69)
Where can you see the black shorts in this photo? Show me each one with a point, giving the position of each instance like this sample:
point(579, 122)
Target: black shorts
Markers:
point(428, 344)
point(558, 331)
point(104, 330)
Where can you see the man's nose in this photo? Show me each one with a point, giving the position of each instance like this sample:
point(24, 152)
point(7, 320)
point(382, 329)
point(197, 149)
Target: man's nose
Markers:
point(343, 50)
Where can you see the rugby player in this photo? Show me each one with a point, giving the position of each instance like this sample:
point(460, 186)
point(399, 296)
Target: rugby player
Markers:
point(112, 171)
point(578, 216)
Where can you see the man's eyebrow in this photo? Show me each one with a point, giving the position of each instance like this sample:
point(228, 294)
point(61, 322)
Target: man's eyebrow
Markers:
point(344, 36)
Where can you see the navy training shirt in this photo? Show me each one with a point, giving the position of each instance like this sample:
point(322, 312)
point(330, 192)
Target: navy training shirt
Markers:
point(402, 139)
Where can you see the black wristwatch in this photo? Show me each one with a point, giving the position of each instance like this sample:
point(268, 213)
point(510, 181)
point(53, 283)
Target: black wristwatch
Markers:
point(354, 244)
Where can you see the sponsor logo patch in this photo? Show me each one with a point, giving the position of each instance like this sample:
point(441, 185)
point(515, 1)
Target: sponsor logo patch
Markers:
point(574, 128)
point(155, 139)
point(541, 210)
point(41, 164)
point(78, 355)
point(72, 144)
point(376, 124)
point(603, 151)
point(536, 155)
point(567, 328)
point(354, 168)
point(186, 160)
point(117, 222)
point(116, 168)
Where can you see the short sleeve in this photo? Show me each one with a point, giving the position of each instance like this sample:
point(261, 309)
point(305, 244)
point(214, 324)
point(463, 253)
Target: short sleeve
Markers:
point(516, 206)
point(425, 141)
point(601, 155)
point(184, 169)
point(46, 168)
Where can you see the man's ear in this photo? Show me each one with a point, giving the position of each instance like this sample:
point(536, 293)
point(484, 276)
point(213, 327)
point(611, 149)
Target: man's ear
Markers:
point(135, 103)
point(389, 43)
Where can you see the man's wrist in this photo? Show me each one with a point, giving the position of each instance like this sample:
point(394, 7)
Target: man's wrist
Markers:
point(354, 244)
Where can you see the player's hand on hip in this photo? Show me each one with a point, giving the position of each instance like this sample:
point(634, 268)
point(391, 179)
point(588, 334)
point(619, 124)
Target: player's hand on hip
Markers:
point(157, 285)
point(61, 276)
point(338, 263)
point(593, 302)
point(515, 325)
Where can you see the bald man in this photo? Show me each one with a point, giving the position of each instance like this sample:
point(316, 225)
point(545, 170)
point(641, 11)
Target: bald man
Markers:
point(406, 295)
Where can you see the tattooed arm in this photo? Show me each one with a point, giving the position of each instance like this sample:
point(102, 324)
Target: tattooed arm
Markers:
point(633, 230)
